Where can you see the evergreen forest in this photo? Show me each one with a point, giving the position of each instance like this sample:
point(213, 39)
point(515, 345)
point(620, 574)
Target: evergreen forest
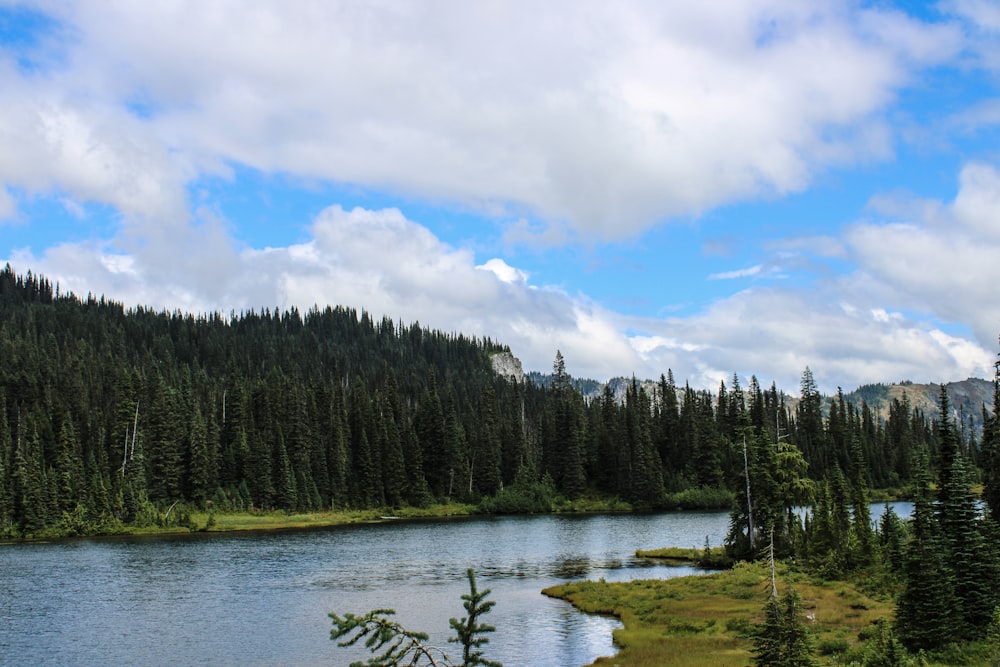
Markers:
point(111, 417)
point(114, 418)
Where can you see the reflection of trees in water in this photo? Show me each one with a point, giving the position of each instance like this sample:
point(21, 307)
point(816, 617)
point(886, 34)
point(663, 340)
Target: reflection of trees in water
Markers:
point(572, 568)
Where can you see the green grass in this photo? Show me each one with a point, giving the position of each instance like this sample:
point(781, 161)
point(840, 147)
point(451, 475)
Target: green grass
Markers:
point(715, 559)
point(701, 621)
point(276, 520)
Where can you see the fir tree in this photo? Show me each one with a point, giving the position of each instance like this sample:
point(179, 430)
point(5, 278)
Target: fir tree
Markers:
point(469, 631)
point(782, 639)
point(926, 610)
point(394, 645)
point(991, 450)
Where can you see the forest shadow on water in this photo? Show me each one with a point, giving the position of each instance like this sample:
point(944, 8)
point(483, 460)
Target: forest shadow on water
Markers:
point(263, 598)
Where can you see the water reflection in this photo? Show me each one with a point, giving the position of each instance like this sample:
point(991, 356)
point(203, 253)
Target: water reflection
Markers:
point(263, 599)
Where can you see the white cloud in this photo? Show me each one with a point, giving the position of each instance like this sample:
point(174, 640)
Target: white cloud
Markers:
point(944, 263)
point(738, 273)
point(504, 271)
point(86, 150)
point(610, 118)
point(982, 13)
point(780, 331)
point(378, 261)
point(575, 118)
point(387, 264)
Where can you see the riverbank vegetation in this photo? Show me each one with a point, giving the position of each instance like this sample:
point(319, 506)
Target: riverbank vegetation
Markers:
point(707, 620)
point(115, 420)
point(924, 591)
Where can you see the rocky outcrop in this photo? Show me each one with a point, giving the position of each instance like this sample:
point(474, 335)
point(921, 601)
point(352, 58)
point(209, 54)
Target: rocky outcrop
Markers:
point(507, 365)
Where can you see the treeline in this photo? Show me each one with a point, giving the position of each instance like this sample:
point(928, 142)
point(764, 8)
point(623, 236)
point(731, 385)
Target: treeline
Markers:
point(112, 416)
point(942, 566)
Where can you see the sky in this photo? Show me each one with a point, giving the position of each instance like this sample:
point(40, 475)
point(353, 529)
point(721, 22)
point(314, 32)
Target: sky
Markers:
point(719, 188)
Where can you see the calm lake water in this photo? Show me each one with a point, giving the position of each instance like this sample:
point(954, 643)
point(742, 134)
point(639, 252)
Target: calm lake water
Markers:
point(263, 599)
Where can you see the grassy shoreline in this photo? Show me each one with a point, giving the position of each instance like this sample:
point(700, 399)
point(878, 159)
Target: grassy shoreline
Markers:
point(204, 521)
point(198, 519)
point(704, 620)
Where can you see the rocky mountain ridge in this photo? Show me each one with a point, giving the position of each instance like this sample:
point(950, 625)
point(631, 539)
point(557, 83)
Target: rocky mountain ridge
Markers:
point(968, 398)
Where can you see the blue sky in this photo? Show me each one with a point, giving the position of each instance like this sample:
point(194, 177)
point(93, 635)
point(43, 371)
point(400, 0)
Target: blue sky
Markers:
point(738, 187)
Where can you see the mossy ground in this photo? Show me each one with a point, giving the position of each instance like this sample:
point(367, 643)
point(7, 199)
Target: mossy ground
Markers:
point(236, 521)
point(702, 621)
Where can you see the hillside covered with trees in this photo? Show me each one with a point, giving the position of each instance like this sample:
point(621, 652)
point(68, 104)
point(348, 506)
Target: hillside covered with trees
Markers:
point(110, 417)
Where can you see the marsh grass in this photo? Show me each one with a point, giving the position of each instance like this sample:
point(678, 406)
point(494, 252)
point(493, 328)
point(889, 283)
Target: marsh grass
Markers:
point(713, 558)
point(246, 521)
point(704, 620)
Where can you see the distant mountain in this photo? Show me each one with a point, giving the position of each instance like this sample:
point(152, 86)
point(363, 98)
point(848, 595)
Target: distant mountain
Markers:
point(967, 397)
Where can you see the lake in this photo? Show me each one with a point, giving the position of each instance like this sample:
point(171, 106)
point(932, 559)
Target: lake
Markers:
point(263, 598)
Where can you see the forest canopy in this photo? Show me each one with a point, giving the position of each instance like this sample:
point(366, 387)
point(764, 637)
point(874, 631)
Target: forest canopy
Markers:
point(109, 416)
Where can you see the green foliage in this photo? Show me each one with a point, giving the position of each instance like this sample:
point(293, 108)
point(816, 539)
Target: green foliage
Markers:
point(392, 644)
point(991, 452)
point(951, 580)
point(388, 640)
point(883, 649)
point(125, 412)
point(469, 632)
point(700, 498)
point(782, 638)
point(992, 648)
point(833, 646)
point(526, 496)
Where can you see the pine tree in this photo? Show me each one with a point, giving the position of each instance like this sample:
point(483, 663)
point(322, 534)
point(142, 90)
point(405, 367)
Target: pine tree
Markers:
point(948, 450)
point(891, 535)
point(69, 467)
point(485, 451)
point(611, 474)
point(782, 639)
point(668, 425)
point(645, 466)
point(707, 458)
point(336, 441)
point(564, 441)
point(394, 645)
point(926, 610)
point(164, 436)
point(991, 450)
point(200, 472)
point(469, 631)
point(6, 479)
point(391, 447)
point(285, 488)
point(767, 636)
point(974, 569)
point(861, 523)
point(796, 640)
point(809, 432)
point(429, 424)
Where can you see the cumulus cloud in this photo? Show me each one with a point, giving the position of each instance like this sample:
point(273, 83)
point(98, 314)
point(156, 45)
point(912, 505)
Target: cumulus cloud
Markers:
point(378, 261)
point(783, 331)
point(608, 118)
point(574, 119)
point(943, 262)
point(504, 271)
point(86, 150)
point(921, 277)
point(385, 263)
